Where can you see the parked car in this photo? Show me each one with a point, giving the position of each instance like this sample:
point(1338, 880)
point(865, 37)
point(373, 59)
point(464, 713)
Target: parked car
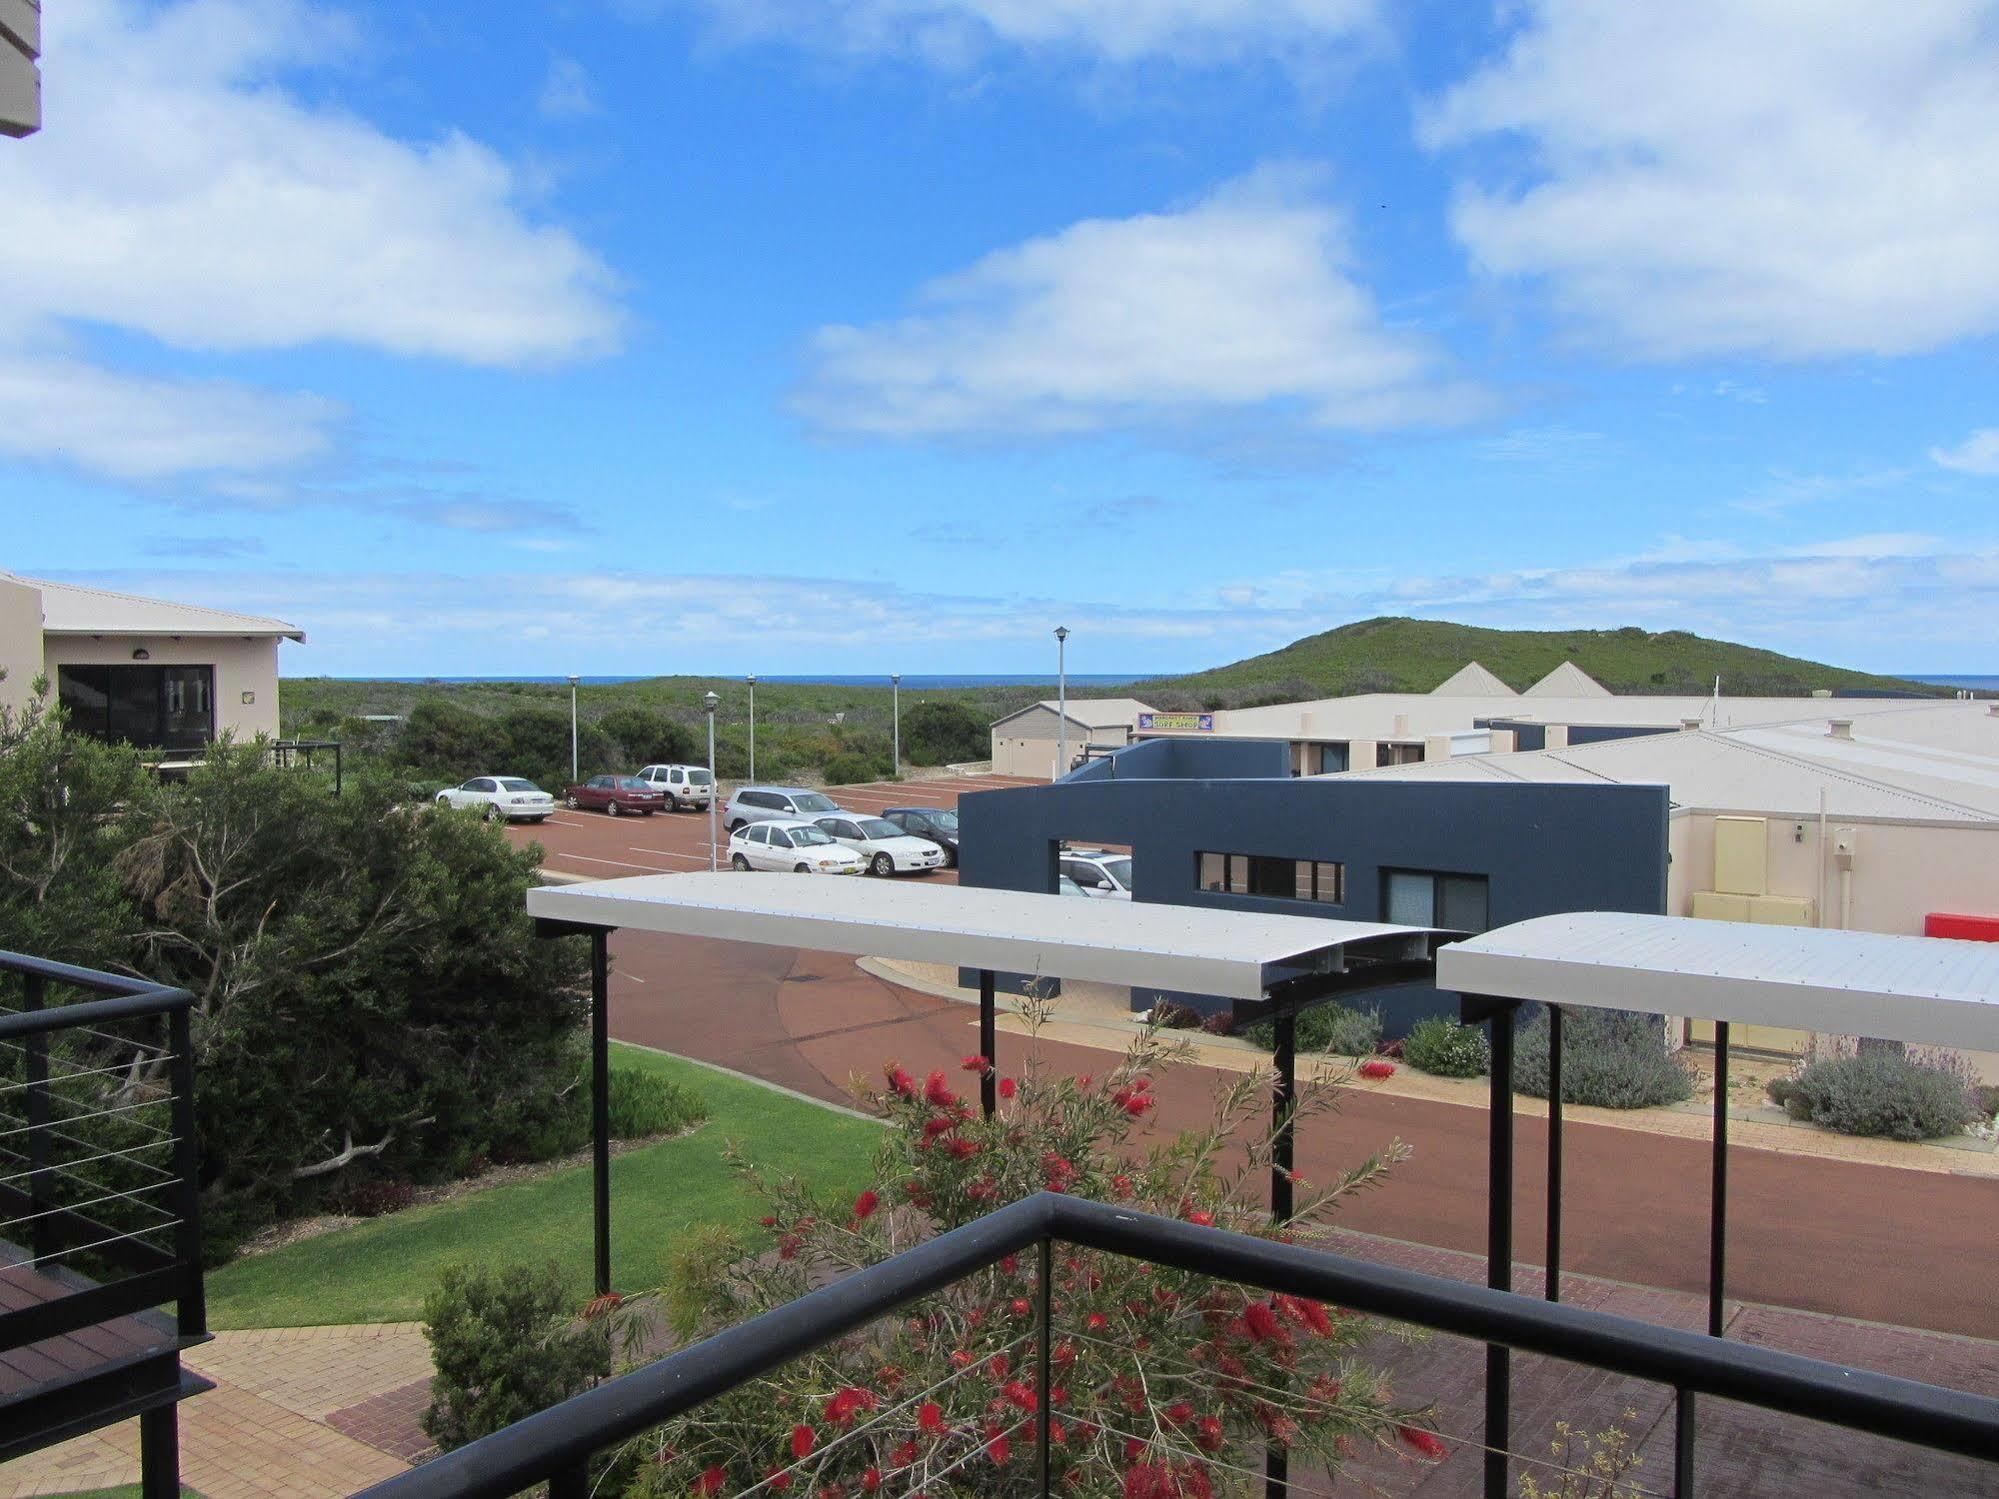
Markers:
point(511, 797)
point(1066, 886)
point(938, 824)
point(614, 794)
point(886, 847)
point(790, 843)
point(688, 788)
point(761, 803)
point(1103, 875)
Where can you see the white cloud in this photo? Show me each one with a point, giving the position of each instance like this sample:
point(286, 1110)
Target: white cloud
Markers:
point(1789, 178)
point(59, 410)
point(1243, 302)
point(953, 32)
point(565, 93)
point(1977, 454)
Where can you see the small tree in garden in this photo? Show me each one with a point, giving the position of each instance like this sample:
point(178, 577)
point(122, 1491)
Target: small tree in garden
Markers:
point(1164, 1383)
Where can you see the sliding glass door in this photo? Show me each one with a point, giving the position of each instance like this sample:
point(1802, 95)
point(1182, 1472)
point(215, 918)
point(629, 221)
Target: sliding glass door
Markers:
point(152, 707)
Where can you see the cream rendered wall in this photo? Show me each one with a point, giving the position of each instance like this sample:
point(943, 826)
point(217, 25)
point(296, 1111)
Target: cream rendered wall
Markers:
point(1025, 757)
point(240, 666)
point(20, 641)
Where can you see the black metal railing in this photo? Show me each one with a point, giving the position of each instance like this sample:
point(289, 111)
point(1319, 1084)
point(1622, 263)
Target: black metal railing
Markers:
point(557, 1446)
point(99, 1179)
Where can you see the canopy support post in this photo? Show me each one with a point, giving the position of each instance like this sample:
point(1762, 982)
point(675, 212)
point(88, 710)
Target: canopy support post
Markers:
point(1283, 1143)
point(1717, 1270)
point(1474, 1009)
point(600, 1099)
point(1554, 1287)
point(988, 1045)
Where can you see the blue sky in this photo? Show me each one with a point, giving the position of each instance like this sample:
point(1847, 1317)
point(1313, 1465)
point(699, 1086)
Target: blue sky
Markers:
point(852, 335)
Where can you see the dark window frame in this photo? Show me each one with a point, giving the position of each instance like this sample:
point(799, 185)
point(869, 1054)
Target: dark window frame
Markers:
point(146, 706)
point(1315, 882)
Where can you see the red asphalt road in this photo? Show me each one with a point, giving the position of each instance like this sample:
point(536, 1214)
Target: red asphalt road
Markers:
point(1883, 1244)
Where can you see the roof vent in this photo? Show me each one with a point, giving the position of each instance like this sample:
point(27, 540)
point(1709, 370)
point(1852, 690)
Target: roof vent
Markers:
point(1840, 728)
point(1690, 723)
point(1993, 710)
point(1401, 725)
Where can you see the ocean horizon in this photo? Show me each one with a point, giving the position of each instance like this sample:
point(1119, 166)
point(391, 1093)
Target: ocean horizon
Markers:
point(913, 681)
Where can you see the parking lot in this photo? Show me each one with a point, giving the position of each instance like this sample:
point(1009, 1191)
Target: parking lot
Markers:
point(599, 847)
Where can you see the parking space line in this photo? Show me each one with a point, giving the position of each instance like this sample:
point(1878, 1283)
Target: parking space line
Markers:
point(667, 853)
point(614, 863)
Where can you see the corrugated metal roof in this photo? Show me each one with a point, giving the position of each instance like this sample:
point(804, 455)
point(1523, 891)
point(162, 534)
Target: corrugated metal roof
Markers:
point(1471, 680)
point(72, 609)
point(1570, 681)
point(1189, 948)
point(1090, 712)
point(1919, 989)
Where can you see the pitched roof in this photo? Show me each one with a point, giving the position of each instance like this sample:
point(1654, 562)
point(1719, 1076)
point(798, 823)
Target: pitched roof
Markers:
point(1568, 680)
point(71, 609)
point(1090, 712)
point(1471, 680)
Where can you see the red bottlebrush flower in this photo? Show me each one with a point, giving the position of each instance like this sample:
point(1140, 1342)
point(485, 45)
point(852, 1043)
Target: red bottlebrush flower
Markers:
point(1134, 1449)
point(1021, 1394)
point(960, 1359)
point(787, 1247)
point(902, 1455)
point(937, 1093)
point(1020, 1306)
point(938, 1124)
point(975, 1064)
point(1377, 1068)
point(1064, 1355)
point(1179, 1413)
point(1137, 1105)
point(1202, 1217)
point(962, 1149)
point(1121, 1186)
point(998, 1366)
point(802, 1442)
point(841, 1405)
point(999, 1449)
point(871, 1480)
point(1425, 1444)
point(866, 1203)
point(1096, 1322)
point(1263, 1324)
point(768, 1221)
point(901, 1082)
point(711, 1481)
point(599, 1306)
point(930, 1417)
point(1315, 1317)
point(1008, 1087)
point(1208, 1434)
point(778, 1481)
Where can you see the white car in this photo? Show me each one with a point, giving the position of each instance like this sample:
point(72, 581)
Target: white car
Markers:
point(886, 847)
point(791, 844)
point(1103, 876)
point(511, 797)
point(688, 788)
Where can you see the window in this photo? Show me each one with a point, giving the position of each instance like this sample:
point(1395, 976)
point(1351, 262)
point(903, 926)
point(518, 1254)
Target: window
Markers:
point(813, 803)
point(779, 838)
point(1316, 880)
point(769, 800)
point(1332, 759)
point(756, 832)
point(695, 777)
point(1412, 897)
point(483, 783)
point(1398, 754)
point(152, 707)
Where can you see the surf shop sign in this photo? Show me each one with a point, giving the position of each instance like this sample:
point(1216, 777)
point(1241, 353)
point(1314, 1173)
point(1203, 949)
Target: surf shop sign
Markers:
point(1177, 723)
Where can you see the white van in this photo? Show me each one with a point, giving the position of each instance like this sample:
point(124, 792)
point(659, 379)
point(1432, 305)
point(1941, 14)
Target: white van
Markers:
point(688, 788)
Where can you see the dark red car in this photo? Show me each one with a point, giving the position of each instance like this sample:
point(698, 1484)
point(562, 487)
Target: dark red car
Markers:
point(614, 794)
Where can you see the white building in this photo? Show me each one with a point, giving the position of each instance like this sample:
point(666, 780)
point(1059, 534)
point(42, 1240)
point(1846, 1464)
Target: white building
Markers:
point(151, 673)
point(1027, 742)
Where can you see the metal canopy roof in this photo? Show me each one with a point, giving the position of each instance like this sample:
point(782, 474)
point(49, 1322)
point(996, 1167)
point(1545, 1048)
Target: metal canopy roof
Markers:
point(1201, 950)
point(1922, 989)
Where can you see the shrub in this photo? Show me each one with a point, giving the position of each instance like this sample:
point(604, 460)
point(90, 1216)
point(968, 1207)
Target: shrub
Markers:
point(1334, 1028)
point(644, 1104)
point(1171, 1015)
point(940, 1397)
point(1221, 1023)
point(850, 768)
point(1881, 1093)
point(505, 1346)
point(648, 737)
point(1611, 1059)
point(944, 734)
point(1445, 1048)
point(371, 1199)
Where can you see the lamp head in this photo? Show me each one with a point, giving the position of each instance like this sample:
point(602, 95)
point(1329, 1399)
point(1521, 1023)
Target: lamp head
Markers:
point(711, 700)
point(1061, 632)
point(895, 677)
point(573, 679)
point(751, 679)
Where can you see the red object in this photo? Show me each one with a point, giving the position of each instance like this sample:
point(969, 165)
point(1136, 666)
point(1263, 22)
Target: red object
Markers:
point(615, 794)
point(1964, 928)
point(1377, 1068)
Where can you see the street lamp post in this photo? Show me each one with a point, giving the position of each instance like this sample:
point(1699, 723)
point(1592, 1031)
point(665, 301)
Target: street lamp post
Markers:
point(714, 790)
point(895, 708)
point(574, 777)
point(752, 680)
point(1061, 701)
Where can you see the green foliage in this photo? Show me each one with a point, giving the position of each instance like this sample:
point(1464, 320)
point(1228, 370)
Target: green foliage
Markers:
point(944, 733)
point(648, 737)
point(1612, 1059)
point(1443, 1047)
point(644, 1104)
point(1881, 1092)
point(1335, 1028)
point(850, 769)
point(505, 1346)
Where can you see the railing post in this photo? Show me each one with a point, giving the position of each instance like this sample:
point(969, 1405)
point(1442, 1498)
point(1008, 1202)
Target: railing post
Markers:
point(1717, 1268)
point(600, 1100)
point(1554, 1286)
point(988, 1044)
point(1284, 1109)
point(159, 1452)
point(1683, 1443)
point(1499, 1251)
point(191, 1306)
point(571, 1481)
point(1044, 1312)
point(35, 1049)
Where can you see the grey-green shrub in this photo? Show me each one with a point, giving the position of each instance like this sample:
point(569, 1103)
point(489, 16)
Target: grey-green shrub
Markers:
point(1611, 1059)
point(644, 1104)
point(1445, 1048)
point(1335, 1028)
point(1880, 1093)
point(505, 1345)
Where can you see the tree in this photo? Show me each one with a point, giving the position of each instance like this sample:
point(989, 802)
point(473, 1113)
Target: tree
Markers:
point(1164, 1382)
point(944, 734)
point(649, 737)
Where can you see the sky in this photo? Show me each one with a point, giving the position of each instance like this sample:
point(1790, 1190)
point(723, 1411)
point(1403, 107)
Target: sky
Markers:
point(791, 336)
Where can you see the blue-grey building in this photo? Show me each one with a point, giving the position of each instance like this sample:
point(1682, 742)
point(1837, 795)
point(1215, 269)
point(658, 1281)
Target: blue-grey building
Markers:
point(1225, 824)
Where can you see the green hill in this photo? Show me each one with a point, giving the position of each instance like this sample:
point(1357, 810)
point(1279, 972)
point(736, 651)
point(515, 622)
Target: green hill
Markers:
point(1414, 655)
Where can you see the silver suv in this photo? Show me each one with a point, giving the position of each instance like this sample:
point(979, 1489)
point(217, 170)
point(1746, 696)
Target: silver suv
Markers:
point(688, 788)
point(762, 803)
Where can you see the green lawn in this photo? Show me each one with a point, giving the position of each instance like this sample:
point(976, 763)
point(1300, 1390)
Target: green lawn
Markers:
point(379, 1271)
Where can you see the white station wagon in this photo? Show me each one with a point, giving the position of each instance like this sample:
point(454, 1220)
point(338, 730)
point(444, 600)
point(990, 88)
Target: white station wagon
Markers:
point(688, 788)
point(886, 847)
point(792, 845)
point(512, 797)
